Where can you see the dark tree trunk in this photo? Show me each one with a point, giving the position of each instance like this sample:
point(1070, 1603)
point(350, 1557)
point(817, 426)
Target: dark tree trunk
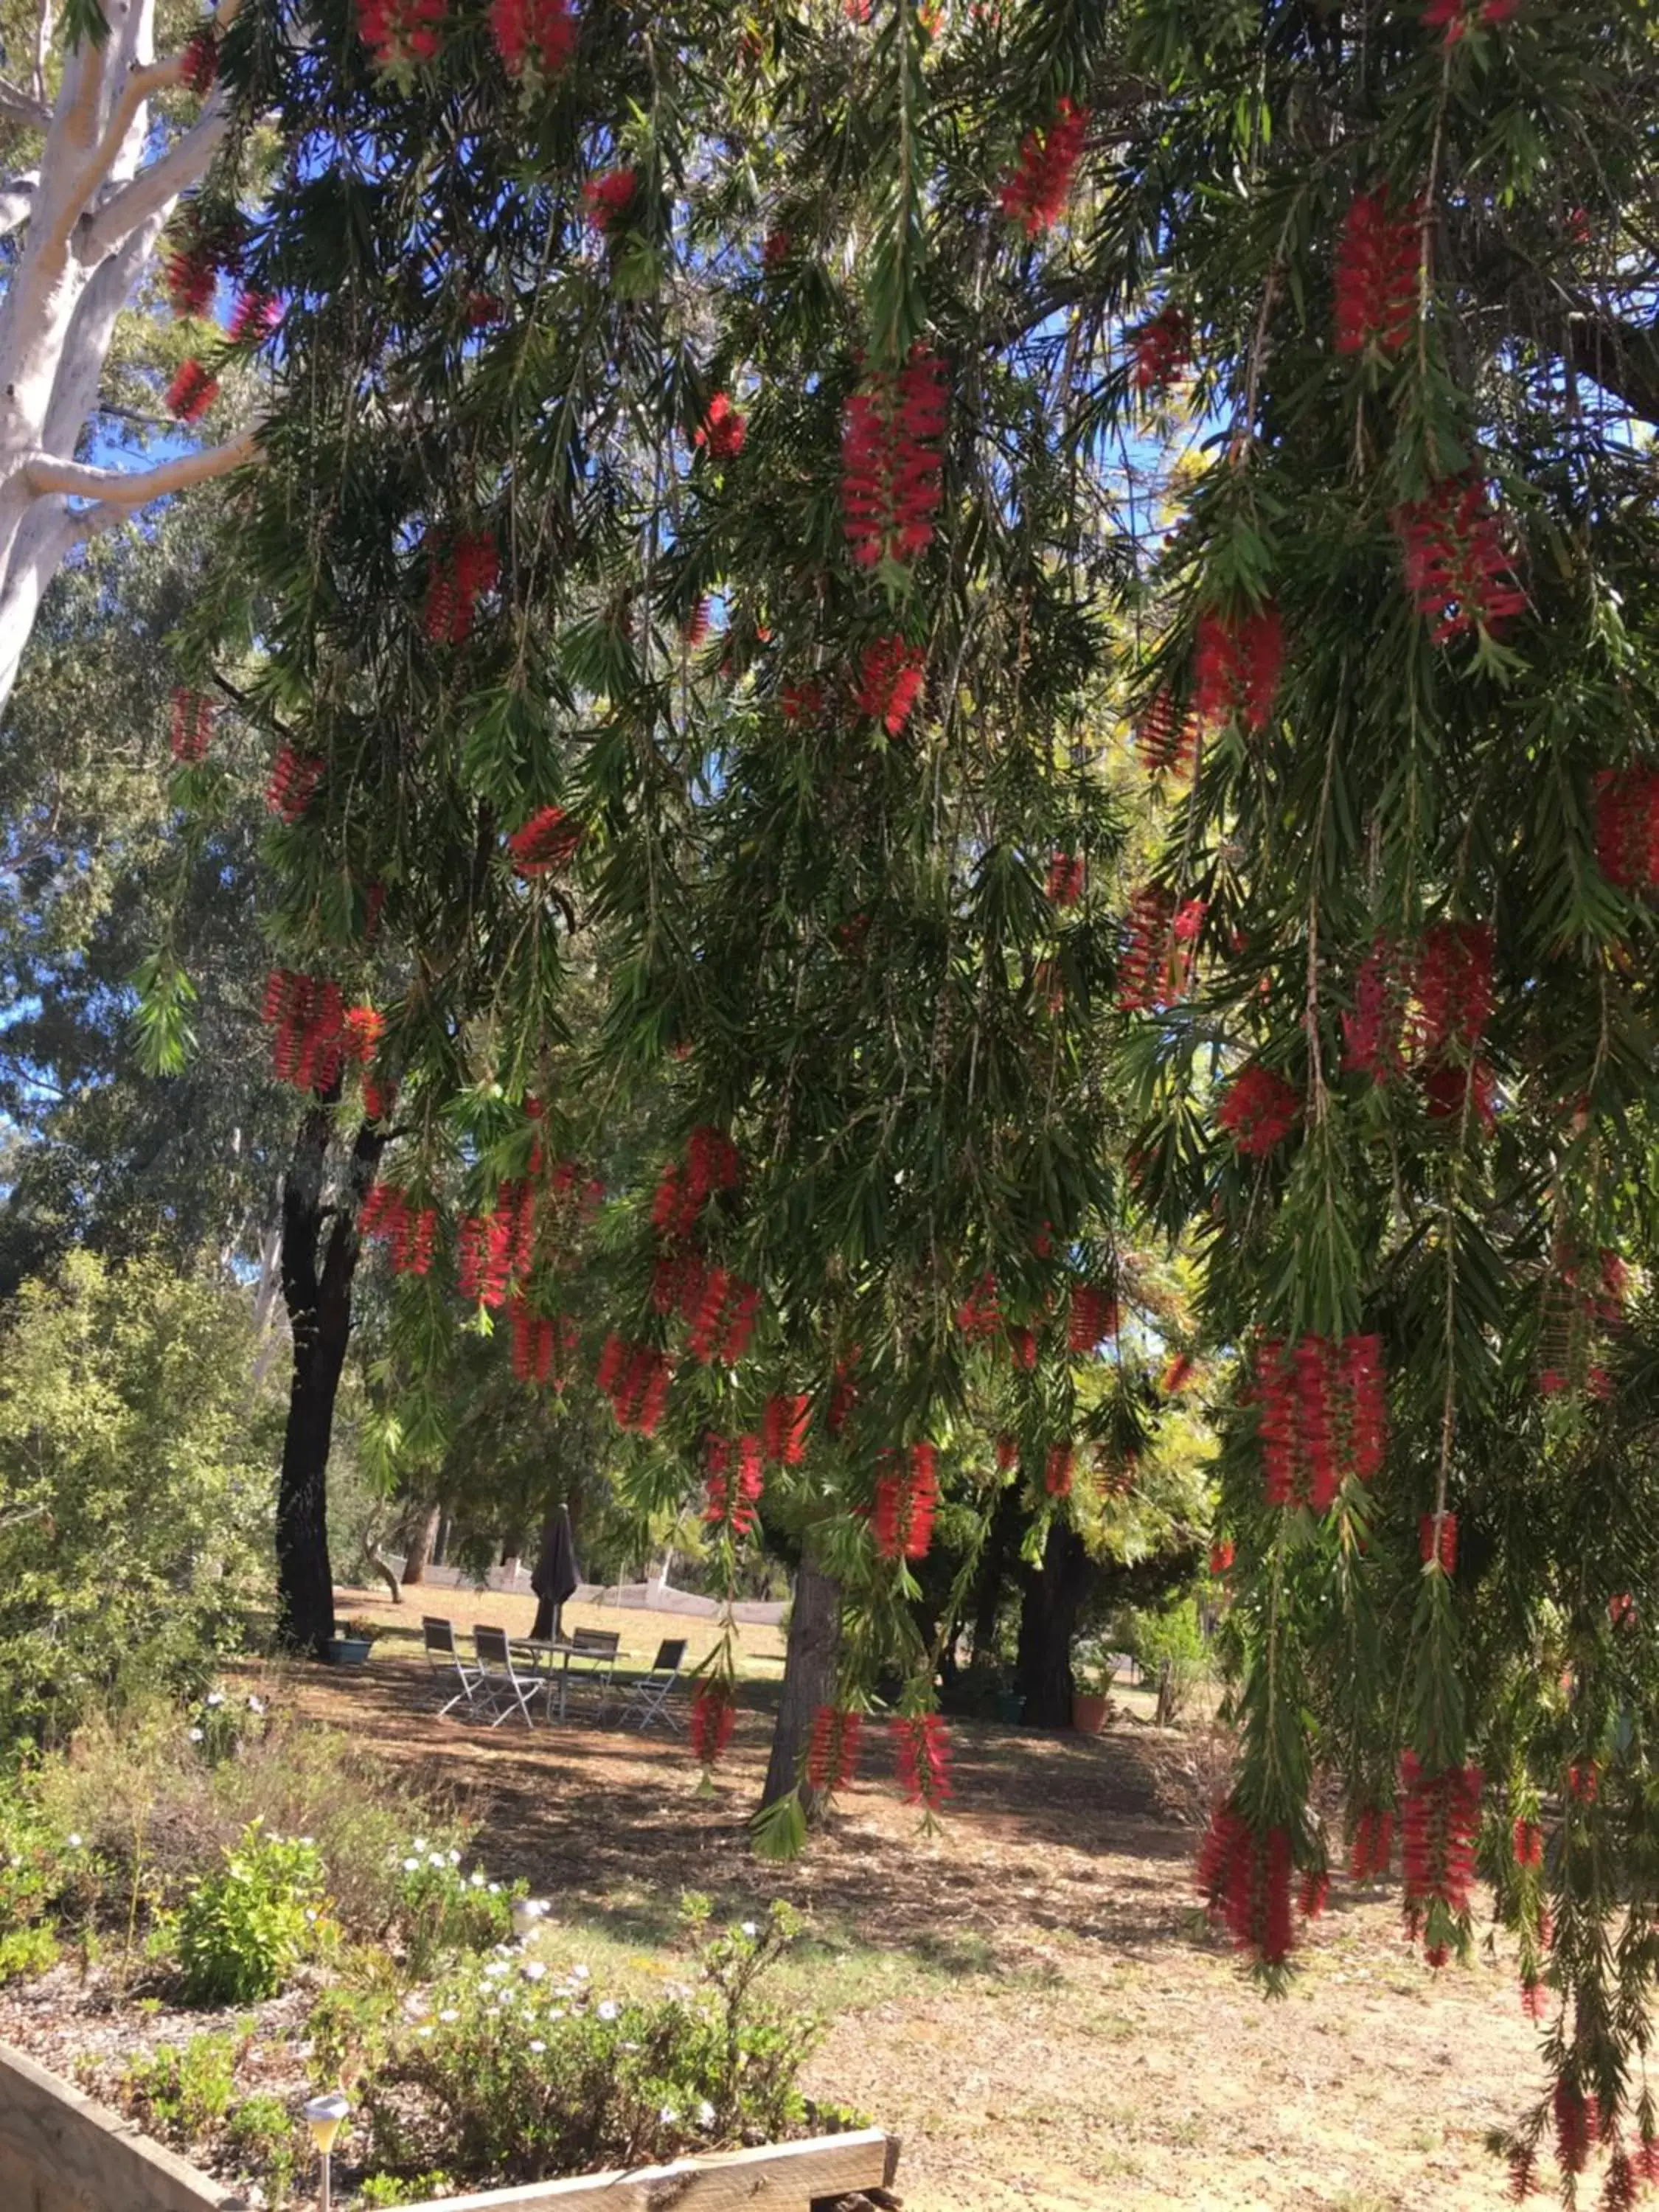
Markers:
point(317, 1291)
point(1048, 1622)
point(809, 1677)
point(423, 1534)
point(994, 1570)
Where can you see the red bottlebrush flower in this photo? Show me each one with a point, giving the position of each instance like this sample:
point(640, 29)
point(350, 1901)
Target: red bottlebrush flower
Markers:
point(1584, 1781)
point(364, 1028)
point(1162, 347)
point(1245, 1879)
point(608, 198)
point(1236, 667)
point(1449, 1089)
point(402, 32)
point(1528, 1843)
point(1177, 1374)
point(1621, 1610)
point(1377, 277)
point(1007, 1453)
point(734, 1502)
point(1057, 1471)
point(545, 844)
point(924, 1759)
point(714, 1716)
point(1093, 1317)
point(1574, 2127)
point(191, 731)
point(1259, 1109)
point(1363, 1384)
point(893, 460)
point(1627, 814)
point(979, 1317)
point(1155, 961)
point(1066, 879)
point(1023, 1348)
point(1439, 1816)
point(1315, 1419)
point(1551, 1384)
point(199, 65)
point(1316, 1893)
point(890, 677)
point(844, 1395)
point(1443, 1550)
point(1535, 2000)
point(1456, 569)
point(192, 393)
point(1034, 193)
point(535, 38)
point(1373, 1844)
point(783, 1429)
point(458, 574)
point(190, 273)
point(902, 1519)
point(800, 702)
point(1621, 2182)
point(740, 1323)
point(775, 249)
point(486, 1256)
point(1371, 1033)
point(255, 317)
point(722, 430)
point(1167, 739)
point(294, 780)
point(532, 1342)
point(1453, 985)
point(832, 1757)
point(378, 1097)
point(695, 628)
point(1456, 18)
point(1221, 1556)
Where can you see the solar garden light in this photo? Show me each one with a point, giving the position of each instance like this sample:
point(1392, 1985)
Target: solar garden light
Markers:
point(324, 2117)
point(526, 1912)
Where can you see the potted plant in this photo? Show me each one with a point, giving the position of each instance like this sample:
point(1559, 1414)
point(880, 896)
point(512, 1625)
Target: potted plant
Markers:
point(350, 1645)
point(1091, 1692)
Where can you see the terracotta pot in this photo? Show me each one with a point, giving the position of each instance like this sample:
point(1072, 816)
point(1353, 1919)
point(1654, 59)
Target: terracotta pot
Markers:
point(1089, 1714)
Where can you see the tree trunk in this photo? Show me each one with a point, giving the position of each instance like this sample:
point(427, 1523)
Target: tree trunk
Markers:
point(318, 1302)
point(994, 1570)
point(809, 1677)
point(422, 1535)
point(1048, 1622)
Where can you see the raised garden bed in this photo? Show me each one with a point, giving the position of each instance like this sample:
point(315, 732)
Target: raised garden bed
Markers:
point(60, 2151)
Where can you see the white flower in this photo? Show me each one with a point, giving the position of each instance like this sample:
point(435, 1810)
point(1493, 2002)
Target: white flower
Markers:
point(750, 1929)
point(311, 1915)
point(425, 2030)
point(705, 2114)
point(477, 1878)
point(497, 1966)
point(215, 1697)
point(411, 1866)
point(448, 2015)
point(256, 1705)
point(74, 1845)
point(579, 1974)
point(536, 2043)
point(419, 1843)
point(308, 1841)
point(196, 1736)
point(495, 1889)
point(557, 2013)
point(609, 2009)
point(533, 1970)
point(436, 1859)
point(668, 2116)
point(454, 1858)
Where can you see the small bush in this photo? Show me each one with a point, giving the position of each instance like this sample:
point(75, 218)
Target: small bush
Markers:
point(26, 1950)
point(181, 2092)
point(1172, 1634)
point(268, 2143)
point(243, 1931)
point(515, 2076)
point(384, 2189)
point(442, 1908)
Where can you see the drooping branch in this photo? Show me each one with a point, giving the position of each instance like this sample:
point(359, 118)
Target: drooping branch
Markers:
point(20, 106)
point(43, 473)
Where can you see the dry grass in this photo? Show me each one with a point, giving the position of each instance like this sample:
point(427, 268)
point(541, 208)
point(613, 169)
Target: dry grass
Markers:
point(1030, 1997)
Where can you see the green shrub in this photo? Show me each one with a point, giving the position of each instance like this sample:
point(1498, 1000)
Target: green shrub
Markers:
point(1170, 1633)
point(383, 2189)
point(268, 2143)
point(181, 2092)
point(516, 2075)
point(442, 1908)
point(26, 1950)
point(244, 1930)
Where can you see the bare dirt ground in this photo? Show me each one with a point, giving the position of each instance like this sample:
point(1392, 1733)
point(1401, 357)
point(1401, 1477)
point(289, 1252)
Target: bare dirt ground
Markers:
point(1030, 1997)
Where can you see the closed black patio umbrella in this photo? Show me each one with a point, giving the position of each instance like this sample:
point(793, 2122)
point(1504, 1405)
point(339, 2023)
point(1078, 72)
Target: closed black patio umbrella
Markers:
point(557, 1575)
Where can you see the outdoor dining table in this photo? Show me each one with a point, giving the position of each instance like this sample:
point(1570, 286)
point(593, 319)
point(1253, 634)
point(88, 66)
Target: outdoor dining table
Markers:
point(543, 1651)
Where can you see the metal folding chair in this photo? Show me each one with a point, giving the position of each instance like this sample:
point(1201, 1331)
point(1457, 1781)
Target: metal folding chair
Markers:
point(445, 1662)
point(500, 1686)
point(592, 1661)
point(645, 1696)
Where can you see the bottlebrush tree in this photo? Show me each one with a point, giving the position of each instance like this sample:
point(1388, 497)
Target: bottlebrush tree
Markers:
point(107, 138)
point(807, 674)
